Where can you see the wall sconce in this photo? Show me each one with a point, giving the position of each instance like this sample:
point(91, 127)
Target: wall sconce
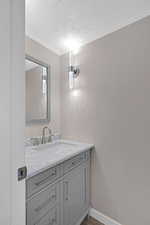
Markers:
point(72, 44)
point(74, 72)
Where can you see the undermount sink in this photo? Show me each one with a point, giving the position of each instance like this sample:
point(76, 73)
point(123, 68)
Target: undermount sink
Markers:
point(56, 146)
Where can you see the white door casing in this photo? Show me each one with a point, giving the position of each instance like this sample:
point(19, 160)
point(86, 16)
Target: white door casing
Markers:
point(18, 109)
point(12, 111)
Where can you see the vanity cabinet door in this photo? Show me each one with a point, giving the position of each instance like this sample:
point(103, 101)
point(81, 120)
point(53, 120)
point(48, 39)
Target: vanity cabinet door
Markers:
point(73, 196)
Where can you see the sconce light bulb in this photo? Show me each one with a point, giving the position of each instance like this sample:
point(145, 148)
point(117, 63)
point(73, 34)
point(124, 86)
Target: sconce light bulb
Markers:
point(71, 79)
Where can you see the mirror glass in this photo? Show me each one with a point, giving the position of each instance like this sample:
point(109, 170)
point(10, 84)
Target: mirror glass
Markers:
point(37, 91)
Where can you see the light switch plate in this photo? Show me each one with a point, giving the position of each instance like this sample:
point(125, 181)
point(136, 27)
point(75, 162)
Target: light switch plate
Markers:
point(22, 173)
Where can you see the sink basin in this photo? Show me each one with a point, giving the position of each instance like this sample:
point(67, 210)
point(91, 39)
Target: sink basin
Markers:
point(55, 146)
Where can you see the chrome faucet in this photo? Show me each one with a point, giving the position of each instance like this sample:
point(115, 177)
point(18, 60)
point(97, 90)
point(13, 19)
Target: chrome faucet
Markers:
point(43, 141)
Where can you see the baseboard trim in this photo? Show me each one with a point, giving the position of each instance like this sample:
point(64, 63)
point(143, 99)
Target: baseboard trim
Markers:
point(102, 218)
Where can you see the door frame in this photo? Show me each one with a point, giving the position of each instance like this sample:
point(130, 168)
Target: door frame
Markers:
point(12, 111)
point(17, 110)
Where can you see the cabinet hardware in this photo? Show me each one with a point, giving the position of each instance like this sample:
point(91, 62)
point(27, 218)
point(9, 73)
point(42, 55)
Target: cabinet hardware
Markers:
point(66, 190)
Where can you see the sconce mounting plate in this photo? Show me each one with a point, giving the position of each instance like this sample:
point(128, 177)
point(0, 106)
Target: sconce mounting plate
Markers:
point(75, 71)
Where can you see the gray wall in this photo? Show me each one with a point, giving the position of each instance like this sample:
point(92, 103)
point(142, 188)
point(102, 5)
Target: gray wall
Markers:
point(45, 55)
point(110, 107)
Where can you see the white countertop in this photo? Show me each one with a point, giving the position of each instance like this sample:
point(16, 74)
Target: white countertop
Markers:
point(48, 155)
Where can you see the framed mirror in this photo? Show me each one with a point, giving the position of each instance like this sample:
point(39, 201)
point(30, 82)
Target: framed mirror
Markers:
point(37, 77)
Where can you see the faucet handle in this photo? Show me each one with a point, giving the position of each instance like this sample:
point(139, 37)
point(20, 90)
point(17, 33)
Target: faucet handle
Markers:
point(50, 138)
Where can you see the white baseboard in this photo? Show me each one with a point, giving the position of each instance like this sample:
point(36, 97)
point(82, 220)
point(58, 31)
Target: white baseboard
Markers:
point(102, 218)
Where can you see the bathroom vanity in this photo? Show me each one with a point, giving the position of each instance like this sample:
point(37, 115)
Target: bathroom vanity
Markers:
point(57, 186)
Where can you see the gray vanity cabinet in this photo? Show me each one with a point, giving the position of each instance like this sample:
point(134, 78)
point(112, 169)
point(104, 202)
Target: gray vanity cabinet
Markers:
point(76, 194)
point(73, 196)
point(65, 199)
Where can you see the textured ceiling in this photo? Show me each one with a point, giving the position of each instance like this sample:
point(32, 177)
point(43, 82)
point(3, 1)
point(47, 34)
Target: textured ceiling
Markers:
point(50, 22)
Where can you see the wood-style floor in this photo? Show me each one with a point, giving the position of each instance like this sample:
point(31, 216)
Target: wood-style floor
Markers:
point(91, 221)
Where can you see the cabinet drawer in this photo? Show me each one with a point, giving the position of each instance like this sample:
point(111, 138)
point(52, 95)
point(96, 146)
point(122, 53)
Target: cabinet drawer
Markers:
point(36, 183)
point(42, 203)
point(75, 161)
point(52, 217)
